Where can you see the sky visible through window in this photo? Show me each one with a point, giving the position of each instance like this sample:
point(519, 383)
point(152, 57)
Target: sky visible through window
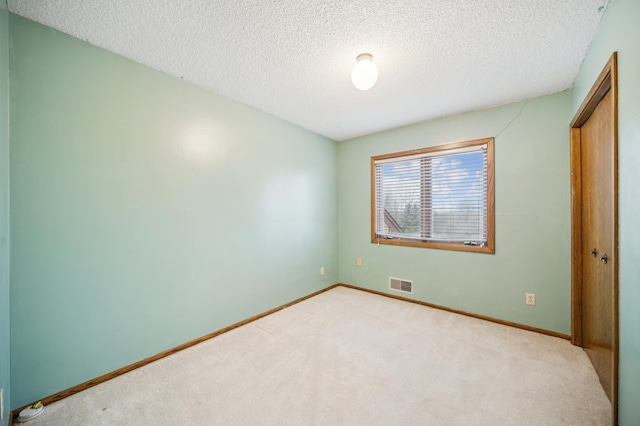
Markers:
point(452, 187)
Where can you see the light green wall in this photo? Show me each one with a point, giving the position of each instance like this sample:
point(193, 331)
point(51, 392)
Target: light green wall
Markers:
point(4, 208)
point(532, 217)
point(619, 32)
point(147, 212)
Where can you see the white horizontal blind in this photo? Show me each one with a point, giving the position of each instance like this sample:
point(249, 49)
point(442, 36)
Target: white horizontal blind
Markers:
point(437, 196)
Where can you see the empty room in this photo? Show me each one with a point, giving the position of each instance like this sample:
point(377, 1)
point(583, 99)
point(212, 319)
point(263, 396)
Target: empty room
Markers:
point(320, 212)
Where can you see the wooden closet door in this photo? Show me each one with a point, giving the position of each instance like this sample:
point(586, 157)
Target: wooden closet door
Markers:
point(597, 164)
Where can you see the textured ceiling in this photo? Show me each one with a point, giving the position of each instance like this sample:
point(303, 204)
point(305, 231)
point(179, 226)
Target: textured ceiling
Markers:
point(293, 58)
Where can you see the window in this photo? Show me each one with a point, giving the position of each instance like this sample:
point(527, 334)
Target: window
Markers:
point(438, 197)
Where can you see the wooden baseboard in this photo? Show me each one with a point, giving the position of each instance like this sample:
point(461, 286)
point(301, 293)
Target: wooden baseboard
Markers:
point(457, 311)
point(93, 382)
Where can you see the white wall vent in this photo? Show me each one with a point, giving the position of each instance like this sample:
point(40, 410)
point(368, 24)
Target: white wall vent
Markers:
point(398, 284)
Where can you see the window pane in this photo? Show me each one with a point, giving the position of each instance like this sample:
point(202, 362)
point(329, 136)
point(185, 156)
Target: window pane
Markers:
point(400, 196)
point(458, 197)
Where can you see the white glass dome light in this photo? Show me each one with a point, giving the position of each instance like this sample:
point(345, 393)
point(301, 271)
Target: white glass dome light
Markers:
point(365, 72)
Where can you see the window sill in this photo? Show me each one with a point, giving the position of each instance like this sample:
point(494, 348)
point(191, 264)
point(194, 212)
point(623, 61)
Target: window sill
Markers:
point(489, 249)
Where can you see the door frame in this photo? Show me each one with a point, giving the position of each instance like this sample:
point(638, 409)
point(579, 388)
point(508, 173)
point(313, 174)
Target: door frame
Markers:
point(607, 81)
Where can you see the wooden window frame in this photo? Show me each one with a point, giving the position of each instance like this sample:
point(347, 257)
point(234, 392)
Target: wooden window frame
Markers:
point(490, 244)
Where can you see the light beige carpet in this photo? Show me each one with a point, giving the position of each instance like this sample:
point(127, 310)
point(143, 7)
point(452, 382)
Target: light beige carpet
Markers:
point(346, 357)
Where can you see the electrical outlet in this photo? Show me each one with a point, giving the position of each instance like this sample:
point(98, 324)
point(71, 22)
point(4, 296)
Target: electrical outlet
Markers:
point(531, 299)
point(359, 262)
point(322, 270)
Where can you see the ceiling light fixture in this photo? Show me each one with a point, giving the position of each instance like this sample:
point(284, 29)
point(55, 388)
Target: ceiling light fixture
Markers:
point(365, 72)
